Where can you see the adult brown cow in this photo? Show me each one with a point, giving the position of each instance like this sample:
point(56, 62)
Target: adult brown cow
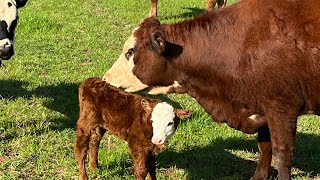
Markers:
point(253, 63)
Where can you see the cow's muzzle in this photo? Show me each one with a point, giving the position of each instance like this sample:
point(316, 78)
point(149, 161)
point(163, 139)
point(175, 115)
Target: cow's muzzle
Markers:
point(6, 52)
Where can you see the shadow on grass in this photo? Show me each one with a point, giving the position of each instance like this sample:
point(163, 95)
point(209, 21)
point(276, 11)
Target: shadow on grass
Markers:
point(64, 100)
point(12, 89)
point(192, 12)
point(216, 161)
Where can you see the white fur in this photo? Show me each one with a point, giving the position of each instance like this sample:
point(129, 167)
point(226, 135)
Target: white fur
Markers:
point(120, 74)
point(6, 42)
point(161, 116)
point(8, 14)
point(254, 116)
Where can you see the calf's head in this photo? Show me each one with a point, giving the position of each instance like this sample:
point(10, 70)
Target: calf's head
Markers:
point(146, 61)
point(8, 23)
point(165, 120)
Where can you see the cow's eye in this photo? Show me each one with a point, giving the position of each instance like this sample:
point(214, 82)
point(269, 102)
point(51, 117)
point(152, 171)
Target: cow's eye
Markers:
point(129, 53)
point(170, 123)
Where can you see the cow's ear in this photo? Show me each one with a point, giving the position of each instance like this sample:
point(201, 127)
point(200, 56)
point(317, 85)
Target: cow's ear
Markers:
point(21, 3)
point(183, 113)
point(158, 42)
point(146, 106)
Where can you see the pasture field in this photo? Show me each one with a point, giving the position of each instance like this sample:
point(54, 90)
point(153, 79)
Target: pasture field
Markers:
point(58, 45)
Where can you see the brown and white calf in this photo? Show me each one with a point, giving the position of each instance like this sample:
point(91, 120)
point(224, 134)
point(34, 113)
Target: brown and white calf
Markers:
point(254, 65)
point(210, 4)
point(144, 123)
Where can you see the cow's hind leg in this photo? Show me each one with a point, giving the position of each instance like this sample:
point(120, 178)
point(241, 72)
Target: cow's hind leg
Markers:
point(96, 136)
point(210, 4)
point(80, 151)
point(154, 8)
point(221, 3)
point(264, 164)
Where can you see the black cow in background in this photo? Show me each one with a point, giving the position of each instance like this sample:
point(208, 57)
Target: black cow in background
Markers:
point(8, 23)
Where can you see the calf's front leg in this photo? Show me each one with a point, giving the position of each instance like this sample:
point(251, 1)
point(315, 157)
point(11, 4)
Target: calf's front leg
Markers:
point(140, 159)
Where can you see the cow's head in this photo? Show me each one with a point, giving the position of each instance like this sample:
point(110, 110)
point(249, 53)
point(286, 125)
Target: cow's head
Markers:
point(146, 61)
point(8, 23)
point(165, 120)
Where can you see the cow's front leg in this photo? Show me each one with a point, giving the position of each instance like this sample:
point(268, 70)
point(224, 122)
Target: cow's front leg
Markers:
point(283, 132)
point(264, 142)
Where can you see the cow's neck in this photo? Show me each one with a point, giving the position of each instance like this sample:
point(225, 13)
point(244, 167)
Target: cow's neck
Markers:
point(207, 65)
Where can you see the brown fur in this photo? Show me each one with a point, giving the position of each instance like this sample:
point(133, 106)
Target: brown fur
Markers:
point(210, 4)
point(104, 107)
point(253, 57)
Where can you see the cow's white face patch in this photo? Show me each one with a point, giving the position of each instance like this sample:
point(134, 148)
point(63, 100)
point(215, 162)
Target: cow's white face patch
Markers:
point(8, 22)
point(8, 12)
point(120, 74)
point(163, 124)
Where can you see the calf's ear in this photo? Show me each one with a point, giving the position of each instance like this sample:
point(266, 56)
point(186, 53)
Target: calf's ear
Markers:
point(158, 42)
point(183, 113)
point(21, 3)
point(146, 106)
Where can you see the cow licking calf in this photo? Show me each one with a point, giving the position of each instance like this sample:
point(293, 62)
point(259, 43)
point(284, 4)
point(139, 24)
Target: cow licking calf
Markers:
point(210, 4)
point(8, 23)
point(254, 64)
point(144, 123)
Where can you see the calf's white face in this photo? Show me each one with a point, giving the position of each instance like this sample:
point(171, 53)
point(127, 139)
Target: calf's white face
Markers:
point(165, 120)
point(163, 123)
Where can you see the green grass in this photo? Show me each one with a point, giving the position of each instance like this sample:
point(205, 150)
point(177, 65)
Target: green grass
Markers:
point(61, 43)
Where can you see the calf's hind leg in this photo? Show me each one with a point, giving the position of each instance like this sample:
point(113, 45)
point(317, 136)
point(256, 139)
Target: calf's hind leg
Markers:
point(96, 136)
point(80, 151)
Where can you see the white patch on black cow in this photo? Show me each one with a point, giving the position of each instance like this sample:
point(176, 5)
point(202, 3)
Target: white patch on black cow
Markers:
point(163, 126)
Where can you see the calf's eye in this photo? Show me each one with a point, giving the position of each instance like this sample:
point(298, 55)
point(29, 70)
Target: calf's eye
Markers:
point(129, 53)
